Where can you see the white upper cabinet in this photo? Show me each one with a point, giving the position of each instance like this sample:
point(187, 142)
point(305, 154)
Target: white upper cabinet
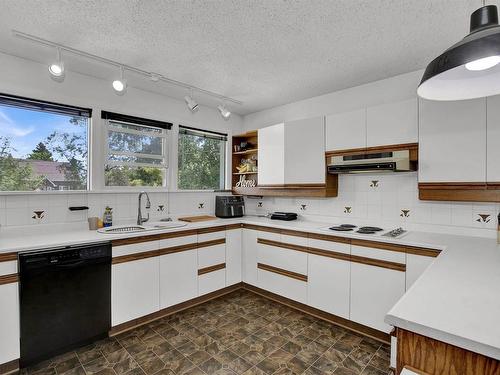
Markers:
point(493, 140)
point(392, 123)
point(346, 130)
point(452, 141)
point(272, 155)
point(292, 153)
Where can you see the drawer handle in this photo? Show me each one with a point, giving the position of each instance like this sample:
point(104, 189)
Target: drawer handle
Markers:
point(281, 271)
point(213, 268)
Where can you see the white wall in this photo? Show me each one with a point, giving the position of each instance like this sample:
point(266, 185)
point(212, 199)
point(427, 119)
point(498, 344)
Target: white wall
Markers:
point(388, 90)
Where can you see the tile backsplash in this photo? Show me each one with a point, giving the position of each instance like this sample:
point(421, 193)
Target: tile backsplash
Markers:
point(387, 200)
point(36, 209)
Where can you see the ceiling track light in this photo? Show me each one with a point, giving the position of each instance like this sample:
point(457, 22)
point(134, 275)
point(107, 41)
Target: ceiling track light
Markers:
point(225, 113)
point(190, 102)
point(149, 75)
point(470, 68)
point(120, 85)
point(56, 69)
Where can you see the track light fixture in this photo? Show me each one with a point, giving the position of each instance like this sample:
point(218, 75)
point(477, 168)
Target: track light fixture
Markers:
point(56, 69)
point(190, 102)
point(120, 85)
point(225, 113)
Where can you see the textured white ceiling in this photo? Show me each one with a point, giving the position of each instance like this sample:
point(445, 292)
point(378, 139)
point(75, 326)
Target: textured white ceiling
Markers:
point(262, 52)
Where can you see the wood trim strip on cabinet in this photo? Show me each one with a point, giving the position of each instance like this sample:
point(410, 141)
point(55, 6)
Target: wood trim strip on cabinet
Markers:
point(292, 186)
point(379, 245)
point(346, 323)
point(493, 185)
point(120, 328)
point(234, 226)
point(178, 249)
point(8, 257)
point(461, 195)
point(9, 367)
point(182, 233)
point(219, 228)
point(135, 256)
point(153, 237)
point(373, 149)
point(261, 228)
point(8, 279)
point(329, 254)
point(213, 268)
point(379, 263)
point(282, 272)
point(437, 357)
point(422, 251)
point(452, 185)
point(283, 245)
point(296, 233)
point(326, 237)
point(217, 241)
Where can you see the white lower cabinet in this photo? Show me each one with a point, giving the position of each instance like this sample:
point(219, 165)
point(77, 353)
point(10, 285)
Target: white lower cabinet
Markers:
point(374, 290)
point(178, 277)
point(9, 322)
point(415, 267)
point(134, 289)
point(328, 284)
point(250, 250)
point(283, 285)
point(212, 281)
point(233, 256)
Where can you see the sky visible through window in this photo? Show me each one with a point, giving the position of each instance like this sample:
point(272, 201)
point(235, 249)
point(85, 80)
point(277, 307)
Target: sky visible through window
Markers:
point(27, 128)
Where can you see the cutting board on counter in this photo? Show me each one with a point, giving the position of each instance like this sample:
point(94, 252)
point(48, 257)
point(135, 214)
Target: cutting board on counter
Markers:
point(196, 219)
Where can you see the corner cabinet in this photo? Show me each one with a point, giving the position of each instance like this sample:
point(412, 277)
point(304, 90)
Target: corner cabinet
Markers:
point(292, 153)
point(459, 149)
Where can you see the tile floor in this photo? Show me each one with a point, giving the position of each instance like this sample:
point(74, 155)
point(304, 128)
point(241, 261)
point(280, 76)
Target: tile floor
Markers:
point(240, 333)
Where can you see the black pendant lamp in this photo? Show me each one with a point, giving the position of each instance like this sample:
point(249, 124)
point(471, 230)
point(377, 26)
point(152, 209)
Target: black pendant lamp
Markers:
point(471, 68)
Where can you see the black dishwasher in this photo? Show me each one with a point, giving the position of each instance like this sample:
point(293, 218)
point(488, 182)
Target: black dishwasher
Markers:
point(65, 299)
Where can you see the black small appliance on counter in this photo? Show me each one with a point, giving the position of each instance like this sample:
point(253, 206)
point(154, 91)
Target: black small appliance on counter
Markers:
point(228, 206)
point(286, 216)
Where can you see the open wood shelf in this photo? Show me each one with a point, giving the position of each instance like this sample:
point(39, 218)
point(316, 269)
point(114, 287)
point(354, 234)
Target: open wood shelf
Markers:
point(251, 151)
point(243, 173)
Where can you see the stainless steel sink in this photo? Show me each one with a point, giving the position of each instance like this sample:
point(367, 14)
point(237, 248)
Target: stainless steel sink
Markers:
point(158, 225)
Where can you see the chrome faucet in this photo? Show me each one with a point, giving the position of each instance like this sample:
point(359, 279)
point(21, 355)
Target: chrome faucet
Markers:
point(141, 219)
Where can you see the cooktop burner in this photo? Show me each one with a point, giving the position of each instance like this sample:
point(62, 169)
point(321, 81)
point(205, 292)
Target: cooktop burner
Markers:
point(368, 230)
point(343, 228)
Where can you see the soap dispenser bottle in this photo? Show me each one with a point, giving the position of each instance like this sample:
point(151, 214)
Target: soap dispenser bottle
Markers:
point(107, 218)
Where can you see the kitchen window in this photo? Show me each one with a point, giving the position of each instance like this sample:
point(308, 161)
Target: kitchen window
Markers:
point(136, 151)
point(43, 145)
point(201, 160)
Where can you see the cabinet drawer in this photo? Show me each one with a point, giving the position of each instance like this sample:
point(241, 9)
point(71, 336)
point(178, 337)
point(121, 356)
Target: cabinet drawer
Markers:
point(290, 260)
point(135, 248)
point(337, 247)
point(211, 236)
point(212, 281)
point(8, 268)
point(295, 240)
point(178, 241)
point(211, 255)
point(387, 255)
point(283, 285)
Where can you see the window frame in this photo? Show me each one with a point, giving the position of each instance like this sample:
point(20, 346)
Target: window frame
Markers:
point(165, 152)
point(45, 106)
point(223, 151)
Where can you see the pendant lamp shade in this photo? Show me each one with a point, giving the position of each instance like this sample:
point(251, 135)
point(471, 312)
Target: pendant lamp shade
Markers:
point(471, 68)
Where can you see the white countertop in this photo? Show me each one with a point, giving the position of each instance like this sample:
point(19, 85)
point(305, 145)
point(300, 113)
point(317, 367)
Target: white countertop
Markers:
point(456, 300)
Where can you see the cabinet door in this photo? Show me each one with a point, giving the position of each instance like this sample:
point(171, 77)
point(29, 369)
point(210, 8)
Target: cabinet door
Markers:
point(452, 141)
point(272, 155)
point(305, 151)
point(346, 130)
point(374, 291)
point(233, 256)
point(493, 133)
point(392, 123)
point(415, 266)
point(135, 289)
point(328, 284)
point(9, 322)
point(178, 277)
point(250, 249)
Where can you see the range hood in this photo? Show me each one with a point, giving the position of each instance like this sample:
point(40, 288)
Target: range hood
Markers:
point(391, 161)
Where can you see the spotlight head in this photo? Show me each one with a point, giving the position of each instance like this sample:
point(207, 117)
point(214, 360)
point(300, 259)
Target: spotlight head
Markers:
point(191, 103)
point(224, 111)
point(56, 69)
point(120, 85)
